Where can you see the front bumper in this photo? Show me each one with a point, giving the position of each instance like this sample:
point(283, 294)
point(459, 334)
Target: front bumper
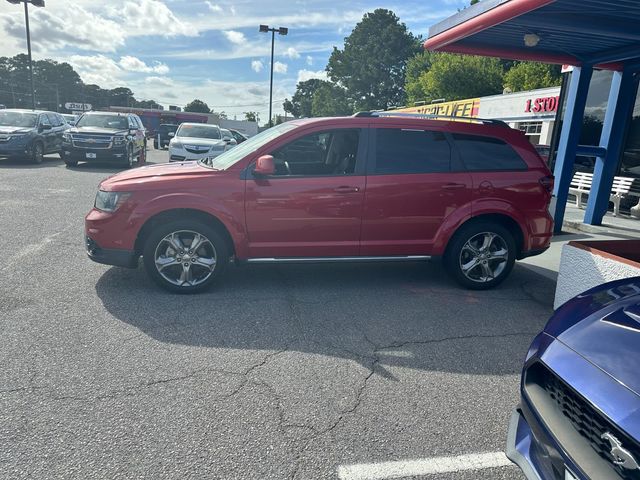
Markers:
point(181, 155)
point(116, 257)
point(102, 155)
point(14, 149)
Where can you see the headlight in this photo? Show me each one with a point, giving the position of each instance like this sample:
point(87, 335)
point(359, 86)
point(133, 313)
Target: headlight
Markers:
point(119, 140)
point(175, 144)
point(15, 136)
point(110, 201)
point(66, 137)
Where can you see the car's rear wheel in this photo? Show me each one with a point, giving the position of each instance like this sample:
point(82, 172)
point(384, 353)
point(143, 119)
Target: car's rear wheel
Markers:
point(70, 163)
point(481, 255)
point(37, 152)
point(185, 256)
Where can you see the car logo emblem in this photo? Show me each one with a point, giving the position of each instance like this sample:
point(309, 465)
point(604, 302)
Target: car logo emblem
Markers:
point(91, 140)
point(621, 456)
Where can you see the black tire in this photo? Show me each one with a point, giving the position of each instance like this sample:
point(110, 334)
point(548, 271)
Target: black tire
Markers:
point(460, 252)
point(37, 152)
point(71, 163)
point(156, 242)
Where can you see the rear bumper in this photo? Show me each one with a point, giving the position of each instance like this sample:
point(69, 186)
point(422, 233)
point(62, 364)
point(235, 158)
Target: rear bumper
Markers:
point(532, 253)
point(117, 257)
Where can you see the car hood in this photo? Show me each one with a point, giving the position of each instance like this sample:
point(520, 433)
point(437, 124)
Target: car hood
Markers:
point(97, 130)
point(208, 142)
point(5, 130)
point(603, 326)
point(152, 173)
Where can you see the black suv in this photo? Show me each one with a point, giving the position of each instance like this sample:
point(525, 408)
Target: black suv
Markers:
point(108, 137)
point(162, 137)
point(30, 133)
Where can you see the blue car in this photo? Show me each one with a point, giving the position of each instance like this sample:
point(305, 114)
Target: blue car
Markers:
point(579, 416)
point(30, 134)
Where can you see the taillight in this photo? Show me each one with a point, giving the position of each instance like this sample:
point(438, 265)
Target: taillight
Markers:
point(547, 183)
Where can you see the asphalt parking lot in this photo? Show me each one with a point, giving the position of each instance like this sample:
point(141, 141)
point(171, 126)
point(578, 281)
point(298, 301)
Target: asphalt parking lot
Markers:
point(281, 372)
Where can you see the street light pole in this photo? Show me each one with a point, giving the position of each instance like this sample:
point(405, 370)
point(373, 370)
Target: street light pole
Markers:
point(33, 88)
point(37, 3)
point(281, 31)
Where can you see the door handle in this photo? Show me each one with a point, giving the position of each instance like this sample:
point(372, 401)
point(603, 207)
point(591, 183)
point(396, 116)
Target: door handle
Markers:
point(346, 189)
point(453, 186)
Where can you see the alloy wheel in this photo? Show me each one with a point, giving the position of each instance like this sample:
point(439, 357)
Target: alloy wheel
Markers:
point(38, 153)
point(484, 257)
point(185, 258)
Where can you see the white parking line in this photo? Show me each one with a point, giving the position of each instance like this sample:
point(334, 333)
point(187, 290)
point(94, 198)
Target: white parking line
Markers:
point(426, 466)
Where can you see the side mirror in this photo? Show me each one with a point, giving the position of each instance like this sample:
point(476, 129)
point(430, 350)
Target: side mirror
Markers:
point(171, 134)
point(264, 166)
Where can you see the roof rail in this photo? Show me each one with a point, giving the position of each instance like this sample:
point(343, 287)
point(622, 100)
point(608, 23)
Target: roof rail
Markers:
point(433, 116)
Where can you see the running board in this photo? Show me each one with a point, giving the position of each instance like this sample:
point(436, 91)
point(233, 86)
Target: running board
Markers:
point(407, 258)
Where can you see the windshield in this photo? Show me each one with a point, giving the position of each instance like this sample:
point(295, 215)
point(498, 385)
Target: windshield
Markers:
point(199, 131)
point(104, 121)
point(230, 157)
point(18, 119)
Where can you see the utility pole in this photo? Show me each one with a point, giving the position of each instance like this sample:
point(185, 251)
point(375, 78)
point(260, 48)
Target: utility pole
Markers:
point(281, 31)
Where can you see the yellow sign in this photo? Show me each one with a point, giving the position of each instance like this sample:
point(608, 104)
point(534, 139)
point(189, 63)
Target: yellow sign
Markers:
point(457, 108)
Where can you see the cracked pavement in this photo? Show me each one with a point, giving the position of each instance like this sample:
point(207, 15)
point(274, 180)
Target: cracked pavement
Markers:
point(278, 373)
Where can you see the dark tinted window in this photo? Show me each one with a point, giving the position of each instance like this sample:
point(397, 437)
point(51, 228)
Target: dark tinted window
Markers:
point(411, 151)
point(44, 119)
point(487, 153)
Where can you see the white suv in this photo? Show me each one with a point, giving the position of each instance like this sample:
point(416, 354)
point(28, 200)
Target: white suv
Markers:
point(193, 141)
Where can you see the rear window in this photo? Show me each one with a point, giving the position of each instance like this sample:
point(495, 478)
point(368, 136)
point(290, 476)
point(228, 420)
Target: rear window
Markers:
point(487, 153)
point(411, 151)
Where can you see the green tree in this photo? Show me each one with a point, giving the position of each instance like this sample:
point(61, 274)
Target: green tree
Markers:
point(251, 116)
point(300, 104)
point(330, 100)
point(372, 64)
point(456, 77)
point(416, 66)
point(122, 97)
point(197, 106)
point(532, 75)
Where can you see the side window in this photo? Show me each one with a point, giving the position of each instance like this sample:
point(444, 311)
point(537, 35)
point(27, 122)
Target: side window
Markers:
point(53, 119)
point(487, 153)
point(332, 152)
point(44, 119)
point(401, 151)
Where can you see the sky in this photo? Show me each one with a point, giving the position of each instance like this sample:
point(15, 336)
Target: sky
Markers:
point(173, 51)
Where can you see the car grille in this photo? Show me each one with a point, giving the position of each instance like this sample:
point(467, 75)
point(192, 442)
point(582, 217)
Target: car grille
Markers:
point(586, 420)
point(91, 141)
point(196, 150)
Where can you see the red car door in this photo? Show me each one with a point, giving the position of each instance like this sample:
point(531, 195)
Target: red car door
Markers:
point(312, 205)
point(413, 184)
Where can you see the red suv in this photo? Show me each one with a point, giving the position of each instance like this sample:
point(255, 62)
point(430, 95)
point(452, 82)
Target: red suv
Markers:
point(361, 188)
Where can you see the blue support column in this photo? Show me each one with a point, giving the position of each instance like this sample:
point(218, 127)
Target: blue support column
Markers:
point(621, 101)
point(569, 138)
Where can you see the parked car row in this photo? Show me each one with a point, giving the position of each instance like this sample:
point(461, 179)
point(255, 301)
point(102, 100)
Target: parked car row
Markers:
point(107, 137)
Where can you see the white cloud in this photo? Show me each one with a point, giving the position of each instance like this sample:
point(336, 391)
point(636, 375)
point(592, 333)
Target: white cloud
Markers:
point(304, 75)
point(213, 7)
point(50, 29)
point(162, 81)
point(152, 17)
point(291, 53)
point(257, 66)
point(279, 67)
point(98, 69)
point(235, 37)
point(134, 64)
point(309, 60)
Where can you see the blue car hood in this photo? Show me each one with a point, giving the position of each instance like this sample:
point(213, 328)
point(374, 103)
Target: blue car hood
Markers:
point(603, 326)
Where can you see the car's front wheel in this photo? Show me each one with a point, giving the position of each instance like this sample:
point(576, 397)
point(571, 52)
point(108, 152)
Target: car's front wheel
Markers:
point(37, 152)
point(481, 255)
point(185, 256)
